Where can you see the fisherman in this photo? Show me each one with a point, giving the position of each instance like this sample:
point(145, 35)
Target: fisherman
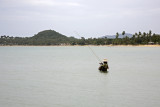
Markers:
point(104, 66)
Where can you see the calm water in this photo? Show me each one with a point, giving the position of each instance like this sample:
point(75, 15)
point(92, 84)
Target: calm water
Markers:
point(68, 77)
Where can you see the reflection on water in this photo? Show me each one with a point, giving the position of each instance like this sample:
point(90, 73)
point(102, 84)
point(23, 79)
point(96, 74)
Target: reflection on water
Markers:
point(69, 77)
point(105, 72)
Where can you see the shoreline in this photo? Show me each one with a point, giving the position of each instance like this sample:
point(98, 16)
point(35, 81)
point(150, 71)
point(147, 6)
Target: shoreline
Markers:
point(79, 45)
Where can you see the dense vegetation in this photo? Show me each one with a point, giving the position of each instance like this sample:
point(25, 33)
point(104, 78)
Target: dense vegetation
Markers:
point(51, 37)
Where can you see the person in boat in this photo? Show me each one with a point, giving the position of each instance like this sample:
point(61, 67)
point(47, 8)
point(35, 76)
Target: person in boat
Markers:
point(104, 66)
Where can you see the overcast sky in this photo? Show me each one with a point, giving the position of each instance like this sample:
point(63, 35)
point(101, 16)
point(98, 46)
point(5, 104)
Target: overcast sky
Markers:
point(90, 18)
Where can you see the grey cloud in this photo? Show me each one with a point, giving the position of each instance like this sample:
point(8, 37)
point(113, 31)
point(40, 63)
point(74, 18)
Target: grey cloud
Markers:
point(89, 17)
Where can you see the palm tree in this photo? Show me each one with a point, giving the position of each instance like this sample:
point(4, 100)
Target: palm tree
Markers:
point(136, 34)
point(117, 35)
point(123, 33)
point(116, 40)
point(144, 34)
point(140, 33)
point(150, 34)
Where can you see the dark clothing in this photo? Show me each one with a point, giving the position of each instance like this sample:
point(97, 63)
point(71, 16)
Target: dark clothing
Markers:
point(103, 67)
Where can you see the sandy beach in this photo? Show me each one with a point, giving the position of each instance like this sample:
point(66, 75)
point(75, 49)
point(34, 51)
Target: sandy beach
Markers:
point(83, 45)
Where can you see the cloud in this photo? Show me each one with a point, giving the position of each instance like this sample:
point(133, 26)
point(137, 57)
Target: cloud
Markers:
point(52, 3)
point(65, 15)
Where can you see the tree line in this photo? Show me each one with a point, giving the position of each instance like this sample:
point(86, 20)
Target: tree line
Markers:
point(51, 37)
point(137, 39)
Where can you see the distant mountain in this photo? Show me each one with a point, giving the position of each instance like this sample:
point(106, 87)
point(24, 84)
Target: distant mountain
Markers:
point(120, 36)
point(49, 34)
point(50, 37)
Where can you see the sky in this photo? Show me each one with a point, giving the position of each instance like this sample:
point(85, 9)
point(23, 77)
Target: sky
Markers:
point(90, 18)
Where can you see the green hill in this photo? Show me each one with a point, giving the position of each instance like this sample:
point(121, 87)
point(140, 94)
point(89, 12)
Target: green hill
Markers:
point(49, 34)
point(49, 37)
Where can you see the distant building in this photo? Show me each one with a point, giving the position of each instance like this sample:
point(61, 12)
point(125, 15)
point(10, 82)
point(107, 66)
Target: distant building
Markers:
point(150, 43)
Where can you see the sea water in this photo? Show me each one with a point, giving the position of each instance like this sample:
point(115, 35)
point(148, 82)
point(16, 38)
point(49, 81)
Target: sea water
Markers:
point(69, 77)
